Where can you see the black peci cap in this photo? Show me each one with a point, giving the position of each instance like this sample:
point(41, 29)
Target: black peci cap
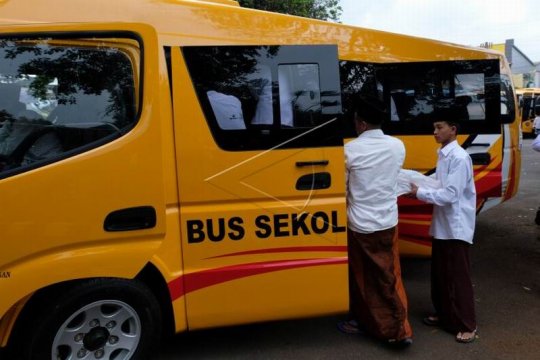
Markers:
point(370, 109)
point(450, 113)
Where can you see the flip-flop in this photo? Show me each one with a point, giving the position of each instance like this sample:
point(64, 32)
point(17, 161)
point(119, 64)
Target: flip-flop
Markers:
point(349, 327)
point(431, 320)
point(399, 344)
point(467, 340)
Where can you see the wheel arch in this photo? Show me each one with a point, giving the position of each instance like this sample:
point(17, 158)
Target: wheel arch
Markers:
point(31, 305)
point(154, 280)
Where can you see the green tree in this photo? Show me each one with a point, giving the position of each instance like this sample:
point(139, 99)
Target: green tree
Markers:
point(316, 9)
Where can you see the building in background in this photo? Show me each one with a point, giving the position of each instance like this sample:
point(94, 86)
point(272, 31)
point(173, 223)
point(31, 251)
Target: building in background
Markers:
point(537, 74)
point(525, 72)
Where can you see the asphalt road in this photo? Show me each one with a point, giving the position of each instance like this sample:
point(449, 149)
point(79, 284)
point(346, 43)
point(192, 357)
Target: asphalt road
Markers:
point(506, 275)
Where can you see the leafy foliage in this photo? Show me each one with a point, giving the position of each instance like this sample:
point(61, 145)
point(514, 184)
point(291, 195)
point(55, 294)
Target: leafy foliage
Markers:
point(316, 9)
point(82, 73)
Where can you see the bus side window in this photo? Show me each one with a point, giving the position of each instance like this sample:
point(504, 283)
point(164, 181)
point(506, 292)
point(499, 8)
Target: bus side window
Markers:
point(469, 93)
point(412, 91)
point(508, 111)
point(56, 101)
point(259, 97)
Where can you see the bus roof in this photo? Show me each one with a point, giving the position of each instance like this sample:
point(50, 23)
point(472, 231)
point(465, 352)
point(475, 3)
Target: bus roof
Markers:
point(223, 22)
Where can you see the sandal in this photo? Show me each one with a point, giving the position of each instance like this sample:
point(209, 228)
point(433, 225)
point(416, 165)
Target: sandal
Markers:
point(466, 340)
point(432, 320)
point(399, 344)
point(349, 327)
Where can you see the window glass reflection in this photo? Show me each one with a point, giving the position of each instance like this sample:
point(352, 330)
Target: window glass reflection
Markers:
point(57, 96)
point(261, 97)
point(412, 92)
point(299, 94)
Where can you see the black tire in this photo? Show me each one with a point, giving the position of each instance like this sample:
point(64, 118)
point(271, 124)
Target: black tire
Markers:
point(134, 336)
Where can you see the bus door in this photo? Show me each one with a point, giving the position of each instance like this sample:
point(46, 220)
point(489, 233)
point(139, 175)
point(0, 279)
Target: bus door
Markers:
point(261, 182)
point(73, 145)
point(411, 91)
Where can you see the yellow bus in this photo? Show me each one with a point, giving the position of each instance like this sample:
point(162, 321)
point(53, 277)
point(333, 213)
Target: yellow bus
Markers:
point(176, 165)
point(529, 104)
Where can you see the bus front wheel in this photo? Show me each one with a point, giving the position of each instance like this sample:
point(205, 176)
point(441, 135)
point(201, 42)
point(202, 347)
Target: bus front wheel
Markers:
point(95, 319)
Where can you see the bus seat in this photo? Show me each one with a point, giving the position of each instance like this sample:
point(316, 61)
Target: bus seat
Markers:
point(10, 105)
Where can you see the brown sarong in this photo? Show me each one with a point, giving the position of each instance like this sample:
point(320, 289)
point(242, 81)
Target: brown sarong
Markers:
point(376, 294)
point(451, 286)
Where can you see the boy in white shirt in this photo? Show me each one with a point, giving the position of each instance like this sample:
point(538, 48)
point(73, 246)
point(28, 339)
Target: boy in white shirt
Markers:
point(452, 228)
point(378, 303)
point(536, 122)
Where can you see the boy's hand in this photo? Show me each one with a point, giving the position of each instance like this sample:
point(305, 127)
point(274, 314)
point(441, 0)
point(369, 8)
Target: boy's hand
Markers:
point(414, 190)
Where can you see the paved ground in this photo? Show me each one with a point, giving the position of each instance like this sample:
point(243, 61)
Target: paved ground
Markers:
point(506, 266)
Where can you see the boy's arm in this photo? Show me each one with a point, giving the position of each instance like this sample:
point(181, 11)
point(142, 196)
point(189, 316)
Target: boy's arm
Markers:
point(456, 181)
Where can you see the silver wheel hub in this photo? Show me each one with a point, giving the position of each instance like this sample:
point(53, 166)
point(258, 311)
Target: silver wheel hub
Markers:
point(107, 329)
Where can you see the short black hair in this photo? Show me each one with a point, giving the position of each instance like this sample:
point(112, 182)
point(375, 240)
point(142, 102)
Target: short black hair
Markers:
point(447, 113)
point(370, 109)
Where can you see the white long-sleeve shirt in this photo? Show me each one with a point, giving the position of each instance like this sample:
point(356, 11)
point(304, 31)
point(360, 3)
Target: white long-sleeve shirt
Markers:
point(373, 161)
point(536, 143)
point(536, 125)
point(454, 210)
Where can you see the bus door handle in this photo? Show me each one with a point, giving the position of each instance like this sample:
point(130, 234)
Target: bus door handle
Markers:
point(481, 158)
point(134, 218)
point(312, 163)
point(315, 181)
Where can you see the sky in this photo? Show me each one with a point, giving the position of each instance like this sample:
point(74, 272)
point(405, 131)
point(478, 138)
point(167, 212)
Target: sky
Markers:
point(466, 22)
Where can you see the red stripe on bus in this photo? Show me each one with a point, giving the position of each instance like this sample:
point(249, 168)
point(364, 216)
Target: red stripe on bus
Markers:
point(286, 250)
point(206, 278)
